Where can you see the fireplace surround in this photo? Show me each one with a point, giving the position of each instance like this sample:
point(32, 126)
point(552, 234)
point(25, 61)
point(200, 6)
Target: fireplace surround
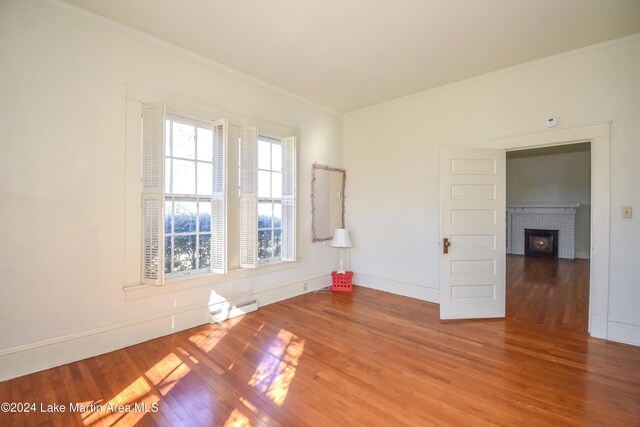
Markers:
point(542, 217)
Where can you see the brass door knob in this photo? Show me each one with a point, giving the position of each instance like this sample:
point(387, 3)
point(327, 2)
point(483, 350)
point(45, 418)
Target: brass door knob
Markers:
point(445, 245)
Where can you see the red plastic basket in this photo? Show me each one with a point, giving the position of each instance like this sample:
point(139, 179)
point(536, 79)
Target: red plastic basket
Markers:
point(341, 282)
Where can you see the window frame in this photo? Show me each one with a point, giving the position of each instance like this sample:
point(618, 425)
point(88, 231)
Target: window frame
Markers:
point(195, 197)
point(272, 200)
point(149, 186)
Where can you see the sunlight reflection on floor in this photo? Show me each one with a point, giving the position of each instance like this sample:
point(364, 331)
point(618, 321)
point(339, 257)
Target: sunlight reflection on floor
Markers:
point(164, 375)
point(207, 339)
point(237, 419)
point(138, 391)
point(277, 369)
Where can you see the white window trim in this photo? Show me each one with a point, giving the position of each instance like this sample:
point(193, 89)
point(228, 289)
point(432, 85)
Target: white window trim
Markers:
point(192, 110)
point(272, 200)
point(249, 198)
point(153, 190)
point(168, 277)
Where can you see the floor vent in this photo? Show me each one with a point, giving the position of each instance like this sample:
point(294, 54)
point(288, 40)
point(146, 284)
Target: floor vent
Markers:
point(223, 311)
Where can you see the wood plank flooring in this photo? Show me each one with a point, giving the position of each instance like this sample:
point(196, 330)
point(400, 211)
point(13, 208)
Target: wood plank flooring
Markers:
point(347, 359)
point(549, 292)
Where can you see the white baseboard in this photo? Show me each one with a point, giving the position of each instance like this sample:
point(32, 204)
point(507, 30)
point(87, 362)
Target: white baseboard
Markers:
point(398, 287)
point(44, 354)
point(623, 332)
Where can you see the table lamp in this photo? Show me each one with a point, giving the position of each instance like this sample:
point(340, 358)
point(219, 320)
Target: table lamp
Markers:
point(341, 240)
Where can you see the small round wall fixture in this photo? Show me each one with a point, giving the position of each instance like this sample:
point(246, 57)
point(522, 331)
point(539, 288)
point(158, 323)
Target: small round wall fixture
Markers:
point(551, 122)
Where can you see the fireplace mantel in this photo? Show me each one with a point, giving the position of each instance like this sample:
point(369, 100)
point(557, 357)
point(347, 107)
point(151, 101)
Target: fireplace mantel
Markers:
point(543, 208)
point(561, 217)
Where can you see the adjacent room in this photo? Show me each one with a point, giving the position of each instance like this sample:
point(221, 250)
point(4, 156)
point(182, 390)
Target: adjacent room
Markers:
point(548, 229)
point(417, 212)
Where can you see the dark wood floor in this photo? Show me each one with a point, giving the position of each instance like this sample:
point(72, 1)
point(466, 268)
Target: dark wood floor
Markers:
point(361, 358)
point(549, 292)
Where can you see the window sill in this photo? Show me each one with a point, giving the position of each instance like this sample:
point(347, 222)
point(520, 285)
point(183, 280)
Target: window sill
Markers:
point(189, 282)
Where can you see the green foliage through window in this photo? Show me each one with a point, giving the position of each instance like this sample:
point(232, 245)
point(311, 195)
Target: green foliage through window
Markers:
point(188, 188)
point(269, 199)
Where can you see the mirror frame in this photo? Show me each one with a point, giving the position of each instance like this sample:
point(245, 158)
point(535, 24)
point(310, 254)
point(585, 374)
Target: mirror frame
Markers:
point(313, 199)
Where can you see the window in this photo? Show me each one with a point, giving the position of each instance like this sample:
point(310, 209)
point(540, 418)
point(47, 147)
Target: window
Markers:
point(188, 186)
point(185, 198)
point(269, 199)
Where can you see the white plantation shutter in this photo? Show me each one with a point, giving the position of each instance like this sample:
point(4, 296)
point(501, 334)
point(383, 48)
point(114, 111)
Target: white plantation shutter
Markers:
point(289, 198)
point(248, 198)
point(219, 198)
point(152, 193)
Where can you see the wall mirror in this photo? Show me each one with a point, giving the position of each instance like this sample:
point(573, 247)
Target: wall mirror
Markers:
point(327, 201)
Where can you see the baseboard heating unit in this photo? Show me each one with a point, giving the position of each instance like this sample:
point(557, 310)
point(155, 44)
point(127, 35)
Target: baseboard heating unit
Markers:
point(225, 310)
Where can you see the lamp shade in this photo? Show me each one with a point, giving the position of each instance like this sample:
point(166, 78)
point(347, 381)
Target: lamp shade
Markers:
point(341, 238)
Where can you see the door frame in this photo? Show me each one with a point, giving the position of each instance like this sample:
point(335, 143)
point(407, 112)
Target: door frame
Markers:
point(598, 134)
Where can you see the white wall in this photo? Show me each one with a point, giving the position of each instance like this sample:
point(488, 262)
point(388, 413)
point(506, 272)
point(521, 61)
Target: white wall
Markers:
point(546, 176)
point(62, 184)
point(391, 156)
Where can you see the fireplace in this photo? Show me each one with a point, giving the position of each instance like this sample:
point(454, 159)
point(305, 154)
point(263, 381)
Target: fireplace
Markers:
point(541, 243)
point(542, 217)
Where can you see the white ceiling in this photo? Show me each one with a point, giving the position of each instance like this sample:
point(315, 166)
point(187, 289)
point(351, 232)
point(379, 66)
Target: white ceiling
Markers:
point(348, 54)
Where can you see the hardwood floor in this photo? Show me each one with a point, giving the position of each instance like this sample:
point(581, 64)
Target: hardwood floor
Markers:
point(549, 292)
point(360, 358)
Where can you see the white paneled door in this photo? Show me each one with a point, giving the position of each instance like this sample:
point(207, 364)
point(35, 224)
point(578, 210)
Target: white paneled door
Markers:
point(472, 233)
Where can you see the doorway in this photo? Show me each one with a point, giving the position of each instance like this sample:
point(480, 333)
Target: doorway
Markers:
point(549, 205)
point(598, 134)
